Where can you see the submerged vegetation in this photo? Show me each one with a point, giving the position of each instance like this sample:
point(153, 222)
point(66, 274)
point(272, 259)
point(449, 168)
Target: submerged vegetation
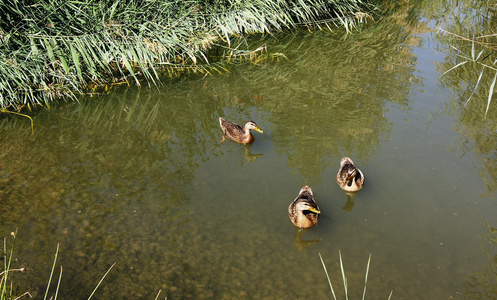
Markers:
point(55, 49)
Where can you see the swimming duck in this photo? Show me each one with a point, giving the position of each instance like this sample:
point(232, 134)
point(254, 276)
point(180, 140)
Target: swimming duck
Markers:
point(238, 133)
point(303, 211)
point(349, 178)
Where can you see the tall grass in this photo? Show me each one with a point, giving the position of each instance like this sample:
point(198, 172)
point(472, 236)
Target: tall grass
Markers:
point(64, 48)
point(7, 291)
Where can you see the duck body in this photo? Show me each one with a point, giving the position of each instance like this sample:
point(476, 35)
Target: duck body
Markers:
point(304, 211)
point(238, 133)
point(349, 178)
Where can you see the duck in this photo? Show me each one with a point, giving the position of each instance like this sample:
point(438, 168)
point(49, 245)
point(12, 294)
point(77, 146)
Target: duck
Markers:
point(349, 178)
point(304, 211)
point(238, 133)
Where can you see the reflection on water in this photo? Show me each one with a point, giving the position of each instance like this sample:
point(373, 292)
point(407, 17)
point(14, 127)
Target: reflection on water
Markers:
point(299, 242)
point(139, 177)
point(248, 155)
point(471, 82)
point(349, 205)
point(483, 284)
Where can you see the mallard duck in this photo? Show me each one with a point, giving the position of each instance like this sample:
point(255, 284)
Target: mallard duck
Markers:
point(238, 133)
point(303, 211)
point(349, 178)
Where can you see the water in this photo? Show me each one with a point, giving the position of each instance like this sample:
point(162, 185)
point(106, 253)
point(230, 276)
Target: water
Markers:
point(139, 177)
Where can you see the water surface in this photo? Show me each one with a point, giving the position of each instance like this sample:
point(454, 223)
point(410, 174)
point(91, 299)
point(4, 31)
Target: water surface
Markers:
point(139, 177)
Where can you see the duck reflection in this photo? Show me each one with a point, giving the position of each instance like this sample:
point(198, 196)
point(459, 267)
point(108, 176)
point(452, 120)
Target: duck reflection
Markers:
point(350, 201)
point(299, 242)
point(249, 156)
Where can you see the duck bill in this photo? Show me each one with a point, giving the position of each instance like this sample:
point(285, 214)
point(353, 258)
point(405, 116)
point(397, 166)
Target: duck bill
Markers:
point(258, 129)
point(314, 210)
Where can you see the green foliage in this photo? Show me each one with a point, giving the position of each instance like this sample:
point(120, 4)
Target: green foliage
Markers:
point(53, 49)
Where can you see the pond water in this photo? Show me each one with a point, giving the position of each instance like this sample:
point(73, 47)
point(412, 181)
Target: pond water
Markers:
point(138, 177)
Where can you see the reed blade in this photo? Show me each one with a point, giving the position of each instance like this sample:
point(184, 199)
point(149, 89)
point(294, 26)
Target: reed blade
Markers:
point(366, 278)
point(102, 279)
point(51, 273)
point(327, 276)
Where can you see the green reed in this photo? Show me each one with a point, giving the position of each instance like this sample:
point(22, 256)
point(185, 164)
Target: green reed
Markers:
point(64, 48)
point(344, 278)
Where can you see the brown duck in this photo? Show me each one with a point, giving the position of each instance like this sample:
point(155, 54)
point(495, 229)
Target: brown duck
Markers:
point(349, 178)
point(303, 211)
point(238, 133)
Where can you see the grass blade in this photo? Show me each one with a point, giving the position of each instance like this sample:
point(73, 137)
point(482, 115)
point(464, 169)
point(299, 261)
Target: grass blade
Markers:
point(458, 65)
point(58, 284)
point(366, 278)
point(327, 276)
point(476, 86)
point(101, 281)
point(51, 273)
point(473, 48)
point(343, 276)
point(7, 263)
point(490, 93)
point(75, 58)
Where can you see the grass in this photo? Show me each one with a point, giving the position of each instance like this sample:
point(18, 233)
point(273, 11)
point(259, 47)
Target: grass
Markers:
point(7, 290)
point(481, 60)
point(344, 278)
point(65, 48)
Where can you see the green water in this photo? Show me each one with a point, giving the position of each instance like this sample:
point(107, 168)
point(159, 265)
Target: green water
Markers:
point(139, 177)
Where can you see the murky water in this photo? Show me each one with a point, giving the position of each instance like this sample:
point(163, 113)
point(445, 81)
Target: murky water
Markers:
point(139, 177)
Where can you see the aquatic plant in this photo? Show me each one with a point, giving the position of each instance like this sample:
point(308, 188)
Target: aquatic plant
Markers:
point(57, 49)
point(344, 278)
point(7, 291)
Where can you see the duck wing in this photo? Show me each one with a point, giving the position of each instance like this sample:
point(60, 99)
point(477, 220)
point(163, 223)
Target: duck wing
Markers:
point(231, 130)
